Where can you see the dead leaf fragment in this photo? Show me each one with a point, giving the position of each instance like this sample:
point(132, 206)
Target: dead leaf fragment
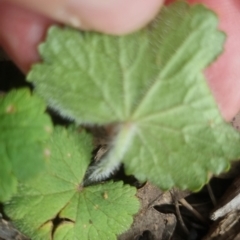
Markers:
point(225, 229)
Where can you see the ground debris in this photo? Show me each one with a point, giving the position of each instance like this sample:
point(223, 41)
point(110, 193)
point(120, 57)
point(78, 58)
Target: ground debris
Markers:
point(226, 228)
point(9, 232)
point(227, 215)
point(150, 224)
point(230, 201)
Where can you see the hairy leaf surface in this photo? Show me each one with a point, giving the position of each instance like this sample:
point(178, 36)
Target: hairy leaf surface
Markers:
point(151, 84)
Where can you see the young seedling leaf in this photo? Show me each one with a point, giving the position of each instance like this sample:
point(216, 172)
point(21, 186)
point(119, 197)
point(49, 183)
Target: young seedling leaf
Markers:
point(151, 84)
point(23, 128)
point(58, 197)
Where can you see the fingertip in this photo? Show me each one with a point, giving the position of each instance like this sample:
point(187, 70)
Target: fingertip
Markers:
point(108, 16)
point(224, 74)
point(22, 29)
point(21, 32)
point(114, 17)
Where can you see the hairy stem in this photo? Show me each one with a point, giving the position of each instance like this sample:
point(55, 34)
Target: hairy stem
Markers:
point(112, 160)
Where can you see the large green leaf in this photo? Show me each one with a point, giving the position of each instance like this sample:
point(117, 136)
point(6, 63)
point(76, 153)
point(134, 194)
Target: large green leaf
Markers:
point(23, 128)
point(151, 84)
point(86, 213)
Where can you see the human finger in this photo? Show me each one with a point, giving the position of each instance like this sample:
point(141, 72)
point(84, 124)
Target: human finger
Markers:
point(108, 16)
point(20, 33)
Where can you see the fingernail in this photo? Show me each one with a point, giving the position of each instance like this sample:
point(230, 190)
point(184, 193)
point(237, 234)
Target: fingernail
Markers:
point(112, 16)
point(68, 17)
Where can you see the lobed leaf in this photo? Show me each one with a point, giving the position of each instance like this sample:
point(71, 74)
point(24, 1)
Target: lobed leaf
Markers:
point(86, 213)
point(23, 127)
point(151, 84)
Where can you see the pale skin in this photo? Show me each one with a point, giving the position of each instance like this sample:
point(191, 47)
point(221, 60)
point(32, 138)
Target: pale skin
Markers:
point(23, 25)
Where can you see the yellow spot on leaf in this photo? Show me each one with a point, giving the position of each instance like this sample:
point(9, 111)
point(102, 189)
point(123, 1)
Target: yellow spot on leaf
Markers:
point(209, 176)
point(105, 195)
point(47, 152)
point(48, 129)
point(10, 109)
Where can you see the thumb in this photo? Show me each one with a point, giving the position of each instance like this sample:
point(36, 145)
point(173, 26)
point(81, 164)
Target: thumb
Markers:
point(23, 29)
point(109, 16)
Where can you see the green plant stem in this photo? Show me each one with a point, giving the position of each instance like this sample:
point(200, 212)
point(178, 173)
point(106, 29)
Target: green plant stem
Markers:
point(111, 161)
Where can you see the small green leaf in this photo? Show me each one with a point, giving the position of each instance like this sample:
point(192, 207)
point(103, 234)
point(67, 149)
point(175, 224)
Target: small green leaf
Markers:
point(23, 127)
point(151, 83)
point(86, 213)
point(8, 182)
